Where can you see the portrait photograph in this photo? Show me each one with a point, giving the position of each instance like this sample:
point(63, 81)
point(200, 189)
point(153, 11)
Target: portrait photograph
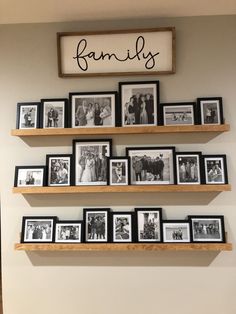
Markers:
point(118, 170)
point(93, 109)
point(59, 170)
point(28, 115)
point(38, 229)
point(176, 231)
point(54, 113)
point(188, 168)
point(139, 103)
point(91, 157)
point(179, 113)
point(29, 176)
point(207, 228)
point(211, 110)
point(148, 221)
point(68, 231)
point(96, 224)
point(215, 169)
point(122, 226)
point(151, 165)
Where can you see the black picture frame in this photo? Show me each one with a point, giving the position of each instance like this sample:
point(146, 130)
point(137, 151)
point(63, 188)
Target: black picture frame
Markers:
point(188, 175)
point(79, 161)
point(208, 116)
point(204, 229)
point(93, 233)
point(122, 233)
point(58, 175)
point(96, 120)
point(177, 236)
point(27, 116)
point(138, 115)
point(122, 173)
point(153, 174)
point(143, 215)
point(52, 118)
point(183, 113)
point(217, 175)
point(30, 178)
point(40, 235)
point(73, 236)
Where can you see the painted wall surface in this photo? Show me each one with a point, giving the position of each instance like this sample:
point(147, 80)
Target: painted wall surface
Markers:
point(113, 282)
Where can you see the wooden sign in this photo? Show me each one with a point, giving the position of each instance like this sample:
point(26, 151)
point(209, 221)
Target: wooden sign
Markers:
point(129, 52)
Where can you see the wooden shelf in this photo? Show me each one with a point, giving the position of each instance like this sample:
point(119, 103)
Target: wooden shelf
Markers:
point(122, 130)
point(124, 247)
point(123, 189)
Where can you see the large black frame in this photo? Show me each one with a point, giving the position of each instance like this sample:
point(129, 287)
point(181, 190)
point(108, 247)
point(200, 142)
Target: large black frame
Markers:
point(71, 171)
point(18, 114)
point(224, 163)
point(70, 222)
point(109, 174)
point(52, 100)
point(176, 222)
point(17, 168)
point(220, 103)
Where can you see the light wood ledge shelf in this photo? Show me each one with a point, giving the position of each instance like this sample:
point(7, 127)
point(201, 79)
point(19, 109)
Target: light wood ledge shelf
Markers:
point(124, 247)
point(121, 130)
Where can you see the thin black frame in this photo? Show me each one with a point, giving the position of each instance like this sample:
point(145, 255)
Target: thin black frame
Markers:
point(221, 114)
point(65, 100)
point(179, 104)
point(157, 105)
point(220, 217)
point(176, 221)
point(120, 213)
point(17, 168)
point(28, 104)
point(109, 161)
point(24, 218)
point(218, 156)
point(201, 168)
point(58, 156)
point(96, 210)
point(71, 222)
point(109, 141)
point(71, 123)
point(172, 148)
point(148, 209)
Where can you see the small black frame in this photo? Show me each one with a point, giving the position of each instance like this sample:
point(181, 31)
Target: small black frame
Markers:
point(211, 110)
point(177, 235)
point(215, 169)
point(51, 117)
point(30, 181)
point(126, 233)
point(120, 173)
point(58, 175)
point(70, 223)
point(27, 116)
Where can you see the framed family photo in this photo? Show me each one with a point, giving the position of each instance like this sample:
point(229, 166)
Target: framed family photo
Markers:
point(97, 109)
point(122, 226)
point(151, 165)
point(96, 221)
point(118, 170)
point(28, 115)
point(207, 228)
point(189, 167)
point(139, 103)
point(69, 231)
point(38, 229)
point(211, 110)
point(148, 222)
point(54, 113)
point(176, 231)
point(29, 176)
point(59, 170)
point(215, 167)
point(90, 161)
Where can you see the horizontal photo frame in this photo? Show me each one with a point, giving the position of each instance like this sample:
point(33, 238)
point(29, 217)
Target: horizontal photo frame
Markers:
point(30, 176)
point(176, 231)
point(69, 231)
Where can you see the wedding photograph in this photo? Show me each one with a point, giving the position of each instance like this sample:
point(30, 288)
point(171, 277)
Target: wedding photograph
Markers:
point(215, 169)
point(59, 170)
point(96, 224)
point(28, 115)
point(118, 169)
point(188, 168)
point(122, 227)
point(68, 231)
point(176, 231)
point(27, 176)
point(211, 110)
point(179, 113)
point(54, 113)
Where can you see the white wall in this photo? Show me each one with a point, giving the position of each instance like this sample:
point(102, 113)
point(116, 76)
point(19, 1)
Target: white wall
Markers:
point(88, 283)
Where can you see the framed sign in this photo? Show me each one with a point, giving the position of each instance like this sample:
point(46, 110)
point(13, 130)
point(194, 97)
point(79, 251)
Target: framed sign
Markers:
point(126, 52)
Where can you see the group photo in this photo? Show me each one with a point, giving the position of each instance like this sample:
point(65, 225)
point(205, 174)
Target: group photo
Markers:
point(207, 229)
point(96, 226)
point(178, 115)
point(176, 232)
point(188, 171)
point(36, 230)
point(68, 232)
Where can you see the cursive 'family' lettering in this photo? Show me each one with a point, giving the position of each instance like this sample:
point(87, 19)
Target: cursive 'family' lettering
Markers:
point(82, 56)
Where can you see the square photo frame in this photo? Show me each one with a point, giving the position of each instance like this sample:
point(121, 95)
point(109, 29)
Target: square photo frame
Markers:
point(30, 176)
point(69, 231)
point(59, 170)
point(139, 103)
point(119, 170)
point(28, 115)
point(211, 110)
point(122, 226)
point(54, 113)
point(176, 231)
point(215, 168)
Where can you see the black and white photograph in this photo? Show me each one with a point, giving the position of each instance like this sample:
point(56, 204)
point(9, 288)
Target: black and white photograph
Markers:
point(54, 113)
point(139, 102)
point(29, 176)
point(59, 170)
point(148, 221)
point(151, 165)
point(91, 159)
point(118, 170)
point(68, 231)
point(96, 224)
point(28, 115)
point(211, 110)
point(207, 228)
point(38, 229)
point(188, 168)
point(93, 109)
point(215, 169)
point(122, 227)
point(176, 231)
point(179, 113)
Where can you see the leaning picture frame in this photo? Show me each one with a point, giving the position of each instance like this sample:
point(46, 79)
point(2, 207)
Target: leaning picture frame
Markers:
point(28, 115)
point(211, 110)
point(119, 170)
point(176, 231)
point(69, 231)
point(215, 169)
point(122, 227)
point(59, 170)
point(54, 113)
point(30, 176)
